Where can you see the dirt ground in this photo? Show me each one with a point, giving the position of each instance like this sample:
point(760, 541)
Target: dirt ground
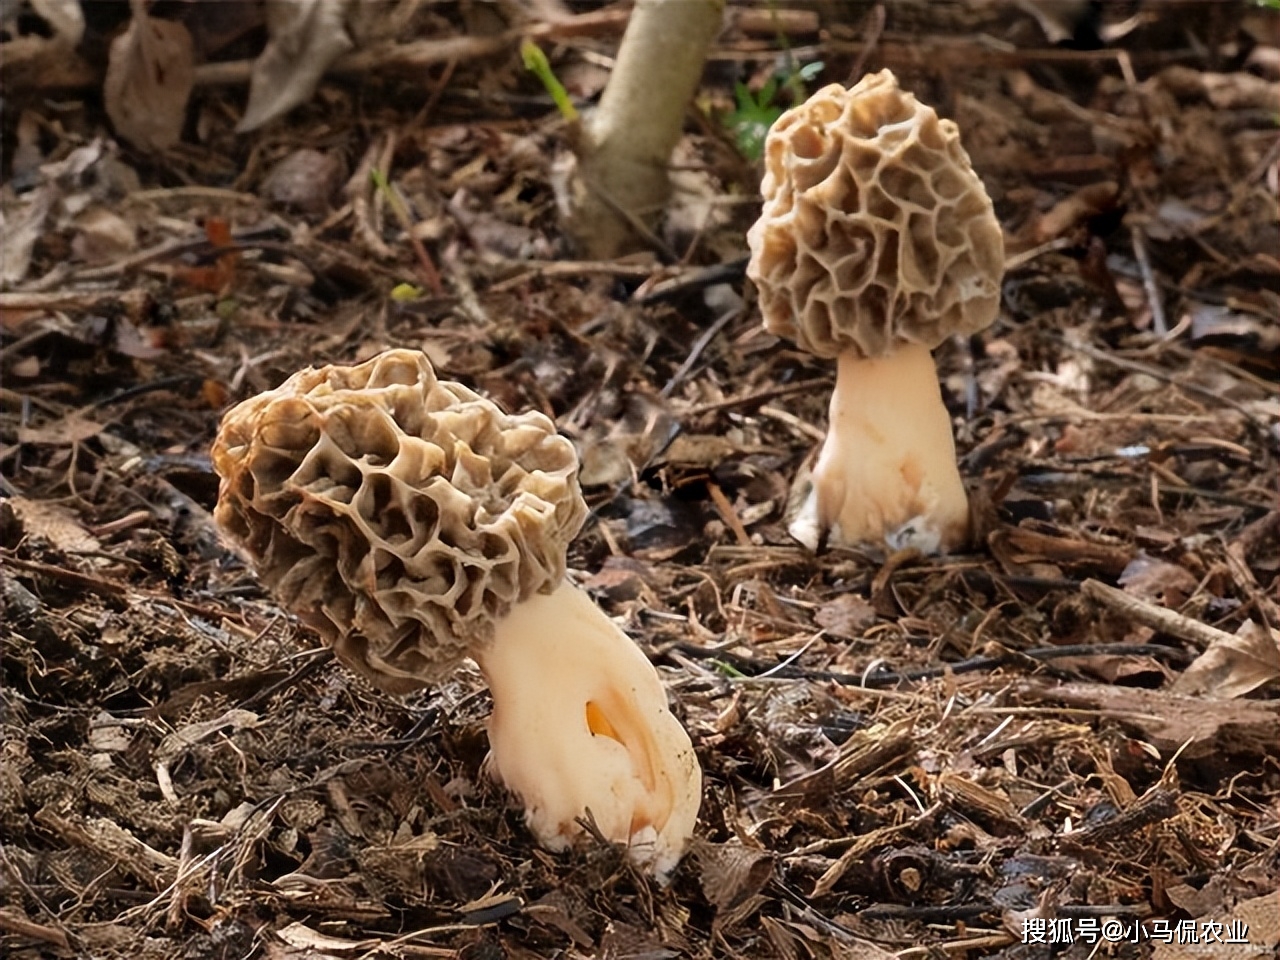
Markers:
point(1067, 732)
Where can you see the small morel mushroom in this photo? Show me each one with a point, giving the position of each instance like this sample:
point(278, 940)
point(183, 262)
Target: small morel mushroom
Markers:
point(412, 523)
point(877, 241)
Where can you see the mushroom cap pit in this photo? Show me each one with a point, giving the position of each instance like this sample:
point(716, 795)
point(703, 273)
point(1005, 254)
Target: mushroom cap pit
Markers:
point(397, 514)
point(875, 228)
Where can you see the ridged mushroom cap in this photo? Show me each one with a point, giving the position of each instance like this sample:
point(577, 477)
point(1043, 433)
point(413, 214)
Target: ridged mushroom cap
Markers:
point(397, 514)
point(875, 227)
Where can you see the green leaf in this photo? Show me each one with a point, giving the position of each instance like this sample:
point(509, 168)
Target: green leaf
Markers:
point(535, 61)
point(725, 669)
point(811, 70)
point(755, 113)
point(405, 292)
point(770, 90)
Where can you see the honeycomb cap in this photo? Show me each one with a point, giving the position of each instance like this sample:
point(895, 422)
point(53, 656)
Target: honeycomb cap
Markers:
point(397, 514)
point(875, 228)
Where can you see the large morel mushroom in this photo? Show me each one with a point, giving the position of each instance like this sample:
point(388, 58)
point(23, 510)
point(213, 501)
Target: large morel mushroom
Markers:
point(877, 242)
point(413, 523)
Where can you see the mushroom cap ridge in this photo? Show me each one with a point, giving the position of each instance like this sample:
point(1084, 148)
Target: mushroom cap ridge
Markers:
point(397, 514)
point(875, 227)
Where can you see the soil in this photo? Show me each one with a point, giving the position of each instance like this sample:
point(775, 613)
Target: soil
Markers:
point(1059, 742)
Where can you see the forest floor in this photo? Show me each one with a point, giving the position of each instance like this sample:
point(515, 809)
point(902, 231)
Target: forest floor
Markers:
point(1068, 731)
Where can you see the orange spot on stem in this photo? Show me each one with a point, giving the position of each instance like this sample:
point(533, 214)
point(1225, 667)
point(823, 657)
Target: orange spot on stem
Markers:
point(599, 724)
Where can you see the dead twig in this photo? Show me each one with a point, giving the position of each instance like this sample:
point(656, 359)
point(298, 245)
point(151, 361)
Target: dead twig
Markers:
point(177, 905)
point(72, 578)
point(874, 27)
point(1158, 323)
point(360, 191)
point(865, 844)
point(11, 921)
point(861, 756)
point(1239, 552)
point(725, 509)
point(400, 209)
point(77, 74)
point(1134, 366)
point(695, 351)
point(315, 660)
point(962, 947)
point(1156, 805)
point(691, 281)
point(760, 396)
point(1160, 619)
point(753, 669)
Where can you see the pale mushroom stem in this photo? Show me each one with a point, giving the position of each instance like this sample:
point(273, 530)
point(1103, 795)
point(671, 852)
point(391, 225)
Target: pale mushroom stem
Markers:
point(887, 470)
point(580, 723)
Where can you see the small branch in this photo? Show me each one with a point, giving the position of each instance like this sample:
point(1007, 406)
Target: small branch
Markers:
point(359, 191)
point(731, 519)
point(177, 905)
point(961, 947)
point(692, 281)
point(753, 669)
point(1159, 325)
point(873, 27)
point(696, 350)
point(621, 177)
point(1160, 619)
point(12, 921)
point(865, 844)
point(759, 397)
point(74, 73)
point(1182, 382)
point(400, 210)
point(1156, 805)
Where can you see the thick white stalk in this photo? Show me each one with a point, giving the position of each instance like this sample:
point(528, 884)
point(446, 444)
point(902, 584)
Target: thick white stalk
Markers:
point(887, 471)
point(627, 140)
point(580, 723)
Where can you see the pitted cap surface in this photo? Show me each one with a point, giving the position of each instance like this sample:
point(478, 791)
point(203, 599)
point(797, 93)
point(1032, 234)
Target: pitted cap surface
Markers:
point(397, 514)
point(875, 227)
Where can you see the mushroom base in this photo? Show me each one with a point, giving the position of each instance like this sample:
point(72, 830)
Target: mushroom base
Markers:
point(580, 727)
point(887, 471)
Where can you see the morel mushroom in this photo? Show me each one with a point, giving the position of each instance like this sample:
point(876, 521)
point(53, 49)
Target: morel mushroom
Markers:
point(412, 523)
point(877, 242)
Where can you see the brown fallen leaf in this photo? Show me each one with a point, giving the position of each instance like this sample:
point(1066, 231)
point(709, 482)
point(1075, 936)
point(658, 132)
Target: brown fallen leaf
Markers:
point(22, 225)
point(150, 73)
point(70, 429)
point(54, 524)
point(306, 36)
point(102, 235)
point(847, 616)
point(698, 450)
point(1249, 930)
point(1209, 899)
point(1237, 664)
point(1025, 550)
point(306, 180)
point(219, 277)
point(620, 578)
point(1159, 581)
point(732, 872)
point(31, 54)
